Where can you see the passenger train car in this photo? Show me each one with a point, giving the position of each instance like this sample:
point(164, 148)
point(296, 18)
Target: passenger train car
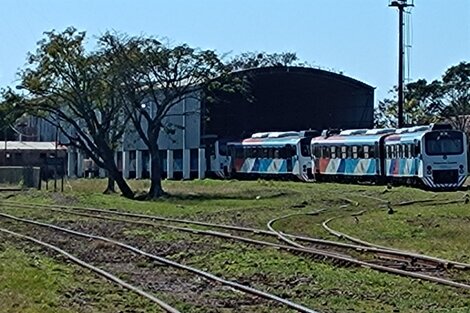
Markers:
point(272, 154)
point(434, 156)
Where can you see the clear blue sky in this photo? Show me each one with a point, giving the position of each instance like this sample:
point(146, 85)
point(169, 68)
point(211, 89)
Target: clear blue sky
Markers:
point(357, 37)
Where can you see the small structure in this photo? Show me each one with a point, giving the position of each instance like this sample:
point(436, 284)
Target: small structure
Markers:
point(49, 156)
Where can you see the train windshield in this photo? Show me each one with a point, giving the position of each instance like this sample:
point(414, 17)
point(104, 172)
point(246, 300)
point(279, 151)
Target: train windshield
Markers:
point(444, 142)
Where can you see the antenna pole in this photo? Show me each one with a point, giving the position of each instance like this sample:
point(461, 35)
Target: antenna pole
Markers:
point(401, 5)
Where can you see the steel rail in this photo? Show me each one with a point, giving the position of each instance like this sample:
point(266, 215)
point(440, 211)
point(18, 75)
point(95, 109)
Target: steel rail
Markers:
point(171, 263)
point(446, 202)
point(146, 216)
point(410, 202)
point(367, 247)
point(95, 269)
point(446, 263)
point(383, 250)
point(280, 235)
point(289, 248)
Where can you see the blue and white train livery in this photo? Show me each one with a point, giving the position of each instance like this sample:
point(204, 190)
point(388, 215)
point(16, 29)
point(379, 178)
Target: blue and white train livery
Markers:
point(437, 157)
point(273, 154)
point(433, 155)
point(351, 153)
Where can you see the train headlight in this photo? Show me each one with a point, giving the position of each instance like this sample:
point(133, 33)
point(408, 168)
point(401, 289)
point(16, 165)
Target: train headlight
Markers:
point(429, 170)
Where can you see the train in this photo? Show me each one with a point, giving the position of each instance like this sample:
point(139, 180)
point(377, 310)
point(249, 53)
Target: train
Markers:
point(431, 156)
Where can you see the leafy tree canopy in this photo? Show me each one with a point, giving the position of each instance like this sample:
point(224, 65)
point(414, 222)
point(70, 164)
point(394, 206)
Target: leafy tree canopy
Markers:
point(446, 100)
point(249, 60)
point(76, 92)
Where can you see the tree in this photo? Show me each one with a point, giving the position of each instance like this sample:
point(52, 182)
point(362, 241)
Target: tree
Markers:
point(445, 100)
point(9, 111)
point(76, 92)
point(249, 60)
point(455, 93)
point(154, 77)
point(422, 105)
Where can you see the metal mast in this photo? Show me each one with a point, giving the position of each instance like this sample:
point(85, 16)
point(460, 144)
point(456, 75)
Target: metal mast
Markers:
point(401, 5)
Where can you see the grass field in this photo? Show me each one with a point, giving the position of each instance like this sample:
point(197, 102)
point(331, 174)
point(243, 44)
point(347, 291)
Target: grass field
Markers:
point(35, 280)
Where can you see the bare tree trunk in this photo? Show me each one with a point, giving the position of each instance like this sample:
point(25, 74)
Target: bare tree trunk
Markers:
point(115, 174)
point(122, 184)
point(156, 189)
point(110, 188)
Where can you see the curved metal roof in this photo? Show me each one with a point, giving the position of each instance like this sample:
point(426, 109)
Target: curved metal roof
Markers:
point(305, 71)
point(291, 99)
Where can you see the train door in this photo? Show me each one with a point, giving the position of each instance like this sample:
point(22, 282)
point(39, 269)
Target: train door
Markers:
point(381, 155)
point(305, 160)
point(290, 160)
point(216, 163)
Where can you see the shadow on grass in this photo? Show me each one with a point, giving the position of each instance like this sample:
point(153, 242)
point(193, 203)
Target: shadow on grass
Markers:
point(218, 196)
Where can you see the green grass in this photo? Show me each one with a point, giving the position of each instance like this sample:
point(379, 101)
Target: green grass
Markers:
point(33, 283)
point(30, 284)
point(439, 230)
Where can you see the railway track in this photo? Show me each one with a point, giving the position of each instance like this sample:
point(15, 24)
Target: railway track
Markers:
point(396, 262)
point(405, 257)
point(165, 306)
point(153, 257)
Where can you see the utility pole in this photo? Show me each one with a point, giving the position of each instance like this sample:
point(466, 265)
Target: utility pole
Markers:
point(401, 5)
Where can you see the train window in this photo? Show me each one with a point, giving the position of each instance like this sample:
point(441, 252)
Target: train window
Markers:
point(290, 151)
point(276, 153)
point(389, 152)
point(412, 151)
point(392, 154)
point(360, 152)
point(246, 152)
point(406, 152)
point(365, 152)
point(343, 152)
point(271, 153)
point(354, 152)
point(239, 153)
point(333, 152)
point(305, 147)
point(417, 148)
point(326, 152)
point(349, 152)
point(253, 152)
point(223, 149)
point(316, 151)
point(399, 151)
